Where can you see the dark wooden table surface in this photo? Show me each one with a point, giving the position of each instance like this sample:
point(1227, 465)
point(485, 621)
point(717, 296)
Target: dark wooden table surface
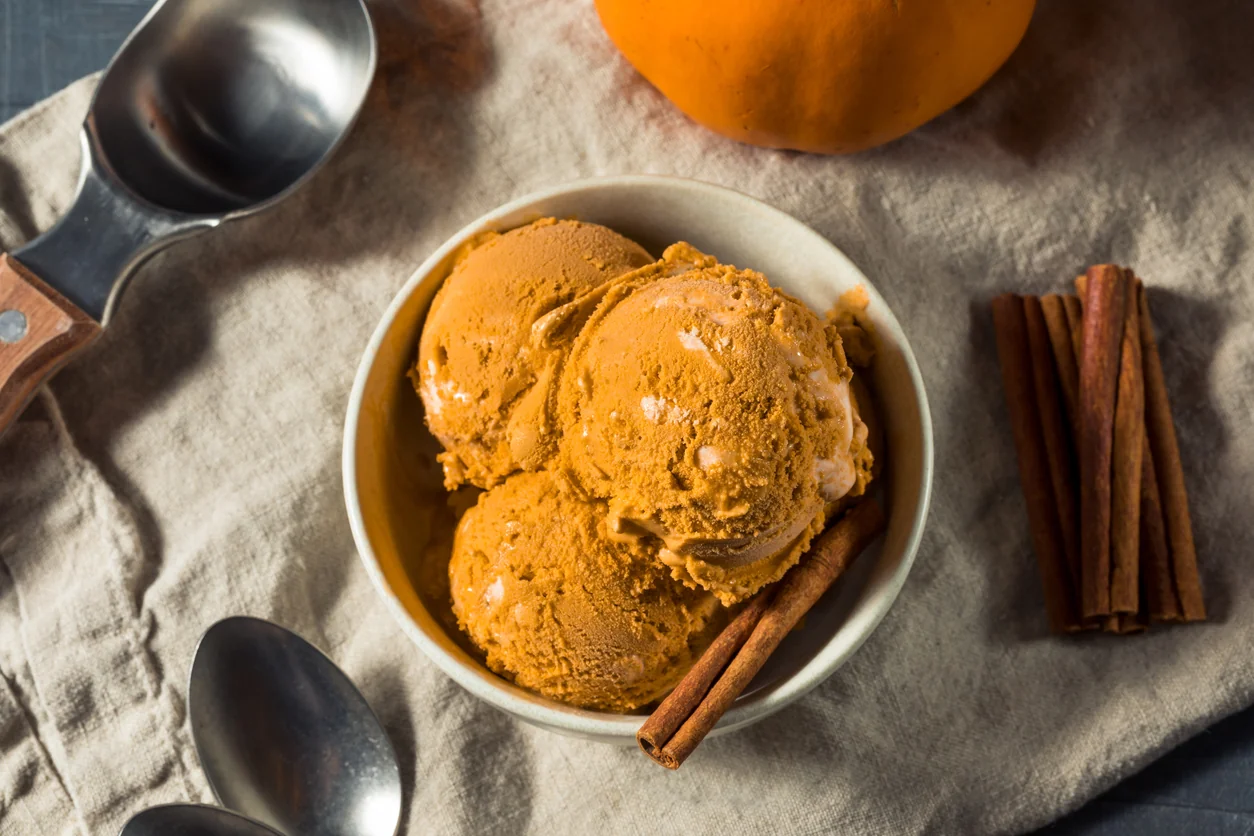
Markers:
point(1204, 787)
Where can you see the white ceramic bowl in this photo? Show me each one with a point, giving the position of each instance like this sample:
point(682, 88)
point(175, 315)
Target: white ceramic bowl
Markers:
point(392, 484)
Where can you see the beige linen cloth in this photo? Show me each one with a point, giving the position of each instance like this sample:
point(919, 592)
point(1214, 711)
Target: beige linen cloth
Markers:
point(188, 468)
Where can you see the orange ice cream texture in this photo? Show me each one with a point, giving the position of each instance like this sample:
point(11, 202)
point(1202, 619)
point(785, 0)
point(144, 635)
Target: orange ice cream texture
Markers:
point(713, 414)
point(490, 347)
point(566, 611)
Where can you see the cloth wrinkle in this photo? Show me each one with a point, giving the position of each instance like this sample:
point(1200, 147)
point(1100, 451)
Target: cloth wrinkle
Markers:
point(141, 623)
point(34, 734)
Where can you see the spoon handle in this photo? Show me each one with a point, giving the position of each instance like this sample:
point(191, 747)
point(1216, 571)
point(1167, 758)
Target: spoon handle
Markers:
point(39, 332)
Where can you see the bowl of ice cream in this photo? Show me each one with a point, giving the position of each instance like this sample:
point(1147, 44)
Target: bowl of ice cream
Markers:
point(599, 418)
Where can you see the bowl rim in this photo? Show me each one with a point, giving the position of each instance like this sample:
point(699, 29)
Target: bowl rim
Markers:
point(497, 692)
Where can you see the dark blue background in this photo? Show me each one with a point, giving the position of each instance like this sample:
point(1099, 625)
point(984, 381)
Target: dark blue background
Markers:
point(1204, 787)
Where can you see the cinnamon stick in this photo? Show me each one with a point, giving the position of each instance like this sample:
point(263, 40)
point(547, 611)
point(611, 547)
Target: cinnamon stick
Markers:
point(1014, 352)
point(1065, 358)
point(1046, 375)
point(1169, 470)
point(1075, 319)
point(1126, 624)
point(679, 704)
point(1068, 349)
point(798, 591)
point(1127, 449)
point(1105, 302)
point(1074, 310)
point(1161, 600)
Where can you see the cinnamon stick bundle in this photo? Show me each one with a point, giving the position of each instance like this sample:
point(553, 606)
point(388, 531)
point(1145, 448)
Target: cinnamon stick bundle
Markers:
point(1095, 354)
point(691, 711)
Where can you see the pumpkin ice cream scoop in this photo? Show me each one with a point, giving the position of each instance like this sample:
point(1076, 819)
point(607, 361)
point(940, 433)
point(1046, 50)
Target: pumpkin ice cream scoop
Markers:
point(712, 414)
point(494, 336)
point(562, 609)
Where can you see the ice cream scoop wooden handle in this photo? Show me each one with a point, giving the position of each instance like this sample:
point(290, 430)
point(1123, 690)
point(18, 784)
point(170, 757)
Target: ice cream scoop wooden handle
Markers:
point(39, 331)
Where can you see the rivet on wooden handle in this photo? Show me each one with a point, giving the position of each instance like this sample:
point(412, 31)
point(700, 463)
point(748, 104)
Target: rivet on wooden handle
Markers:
point(39, 331)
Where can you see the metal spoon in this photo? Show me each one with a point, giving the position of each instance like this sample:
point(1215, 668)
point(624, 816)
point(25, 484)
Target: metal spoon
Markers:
point(212, 110)
point(192, 820)
point(285, 738)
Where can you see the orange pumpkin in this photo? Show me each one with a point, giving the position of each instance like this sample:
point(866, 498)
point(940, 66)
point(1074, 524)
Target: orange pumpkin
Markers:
point(829, 76)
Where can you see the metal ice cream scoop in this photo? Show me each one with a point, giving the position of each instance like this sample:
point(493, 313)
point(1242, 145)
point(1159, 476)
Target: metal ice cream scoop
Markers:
point(212, 110)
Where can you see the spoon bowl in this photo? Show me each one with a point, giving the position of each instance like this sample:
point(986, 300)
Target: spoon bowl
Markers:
point(286, 738)
point(218, 106)
point(192, 820)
